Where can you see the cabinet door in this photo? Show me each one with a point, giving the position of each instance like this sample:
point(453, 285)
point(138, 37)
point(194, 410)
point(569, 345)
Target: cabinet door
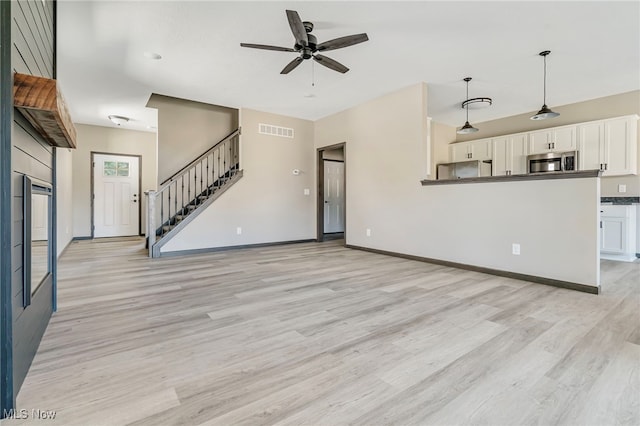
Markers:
point(460, 151)
point(563, 139)
point(518, 154)
point(481, 149)
point(619, 152)
point(613, 237)
point(539, 142)
point(591, 146)
point(501, 158)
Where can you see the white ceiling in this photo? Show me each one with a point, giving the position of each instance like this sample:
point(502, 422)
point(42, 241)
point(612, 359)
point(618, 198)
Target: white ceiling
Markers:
point(595, 51)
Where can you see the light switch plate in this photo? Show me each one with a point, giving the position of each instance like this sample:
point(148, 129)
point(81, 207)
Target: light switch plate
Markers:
point(306, 191)
point(622, 188)
point(515, 249)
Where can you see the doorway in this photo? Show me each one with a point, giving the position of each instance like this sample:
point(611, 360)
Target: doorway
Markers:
point(331, 192)
point(115, 188)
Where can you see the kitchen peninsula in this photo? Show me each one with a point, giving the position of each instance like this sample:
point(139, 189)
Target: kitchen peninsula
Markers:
point(515, 178)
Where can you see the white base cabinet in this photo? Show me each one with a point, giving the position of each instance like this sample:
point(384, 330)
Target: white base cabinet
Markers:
point(618, 233)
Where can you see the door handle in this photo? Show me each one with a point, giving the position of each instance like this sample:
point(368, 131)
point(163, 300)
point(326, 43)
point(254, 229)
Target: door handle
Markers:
point(326, 202)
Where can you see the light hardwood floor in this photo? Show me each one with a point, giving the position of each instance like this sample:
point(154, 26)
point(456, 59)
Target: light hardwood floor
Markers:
point(319, 334)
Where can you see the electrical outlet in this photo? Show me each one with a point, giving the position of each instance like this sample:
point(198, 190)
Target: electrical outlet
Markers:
point(368, 232)
point(515, 249)
point(622, 188)
point(239, 230)
point(306, 191)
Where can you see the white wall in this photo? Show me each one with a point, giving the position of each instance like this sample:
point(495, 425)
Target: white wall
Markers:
point(555, 222)
point(268, 203)
point(64, 194)
point(113, 141)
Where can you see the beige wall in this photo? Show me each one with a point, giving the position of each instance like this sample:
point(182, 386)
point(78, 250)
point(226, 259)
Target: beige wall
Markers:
point(187, 129)
point(64, 191)
point(333, 154)
point(594, 109)
point(441, 136)
point(268, 203)
point(474, 224)
point(113, 141)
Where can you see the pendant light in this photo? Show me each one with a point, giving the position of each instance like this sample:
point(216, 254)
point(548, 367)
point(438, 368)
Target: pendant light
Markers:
point(545, 112)
point(467, 128)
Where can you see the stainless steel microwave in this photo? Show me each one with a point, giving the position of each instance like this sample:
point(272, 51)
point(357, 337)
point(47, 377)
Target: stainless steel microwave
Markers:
point(553, 162)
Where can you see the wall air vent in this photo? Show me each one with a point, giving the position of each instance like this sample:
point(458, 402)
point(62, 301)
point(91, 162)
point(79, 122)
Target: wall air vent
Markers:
point(268, 129)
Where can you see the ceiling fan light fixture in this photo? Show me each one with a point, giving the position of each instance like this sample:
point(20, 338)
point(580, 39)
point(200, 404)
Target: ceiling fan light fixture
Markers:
point(545, 112)
point(119, 119)
point(467, 128)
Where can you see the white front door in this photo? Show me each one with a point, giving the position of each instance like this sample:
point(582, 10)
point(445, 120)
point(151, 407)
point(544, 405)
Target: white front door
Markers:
point(116, 195)
point(333, 196)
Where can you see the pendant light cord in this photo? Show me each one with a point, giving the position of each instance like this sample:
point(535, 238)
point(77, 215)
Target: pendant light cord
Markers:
point(544, 86)
point(467, 105)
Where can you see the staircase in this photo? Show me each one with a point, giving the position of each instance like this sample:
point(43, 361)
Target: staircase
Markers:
point(191, 190)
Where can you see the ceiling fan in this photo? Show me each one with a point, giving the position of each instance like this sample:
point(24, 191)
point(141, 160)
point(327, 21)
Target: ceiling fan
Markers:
point(307, 45)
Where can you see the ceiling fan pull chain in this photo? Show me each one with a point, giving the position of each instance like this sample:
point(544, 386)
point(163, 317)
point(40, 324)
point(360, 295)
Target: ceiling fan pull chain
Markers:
point(313, 74)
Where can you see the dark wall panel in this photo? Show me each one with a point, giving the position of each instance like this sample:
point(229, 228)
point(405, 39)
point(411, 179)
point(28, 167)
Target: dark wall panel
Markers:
point(30, 327)
point(33, 50)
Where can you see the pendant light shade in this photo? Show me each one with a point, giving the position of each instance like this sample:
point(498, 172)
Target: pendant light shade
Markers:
point(545, 112)
point(467, 128)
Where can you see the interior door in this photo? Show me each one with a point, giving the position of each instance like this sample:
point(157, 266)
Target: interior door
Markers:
point(116, 195)
point(333, 196)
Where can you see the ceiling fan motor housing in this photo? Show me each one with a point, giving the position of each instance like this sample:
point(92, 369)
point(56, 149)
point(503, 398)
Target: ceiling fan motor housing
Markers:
point(310, 49)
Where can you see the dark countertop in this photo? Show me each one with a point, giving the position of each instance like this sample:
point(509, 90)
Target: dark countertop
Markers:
point(516, 178)
point(620, 201)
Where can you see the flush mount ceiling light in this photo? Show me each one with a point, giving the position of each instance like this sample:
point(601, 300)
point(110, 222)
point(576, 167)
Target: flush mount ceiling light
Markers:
point(544, 112)
point(467, 128)
point(152, 55)
point(119, 120)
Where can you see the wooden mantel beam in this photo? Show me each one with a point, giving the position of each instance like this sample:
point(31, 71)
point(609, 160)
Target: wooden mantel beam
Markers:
point(40, 101)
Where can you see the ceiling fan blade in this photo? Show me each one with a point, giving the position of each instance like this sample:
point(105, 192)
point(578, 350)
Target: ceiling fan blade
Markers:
point(267, 47)
point(339, 43)
point(330, 63)
point(291, 65)
point(297, 28)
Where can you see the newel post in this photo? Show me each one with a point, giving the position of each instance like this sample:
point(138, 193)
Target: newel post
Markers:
point(151, 220)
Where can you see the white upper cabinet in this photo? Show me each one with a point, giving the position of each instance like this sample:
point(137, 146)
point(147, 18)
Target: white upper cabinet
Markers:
point(591, 146)
point(609, 145)
point(510, 155)
point(472, 150)
point(460, 151)
point(620, 146)
point(556, 139)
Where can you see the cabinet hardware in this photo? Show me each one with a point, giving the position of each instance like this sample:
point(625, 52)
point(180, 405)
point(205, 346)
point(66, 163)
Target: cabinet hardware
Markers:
point(605, 166)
